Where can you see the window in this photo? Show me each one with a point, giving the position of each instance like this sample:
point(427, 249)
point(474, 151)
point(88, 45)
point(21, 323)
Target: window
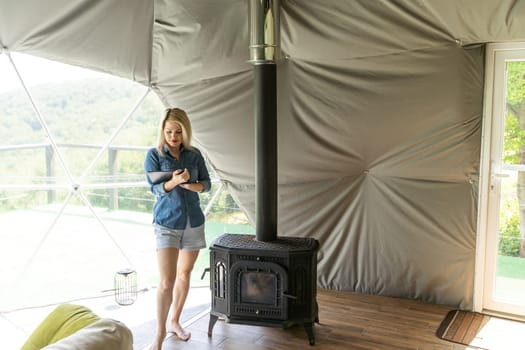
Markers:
point(74, 204)
point(72, 143)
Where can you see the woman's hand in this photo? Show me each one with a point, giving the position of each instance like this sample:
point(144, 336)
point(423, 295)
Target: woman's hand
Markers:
point(179, 177)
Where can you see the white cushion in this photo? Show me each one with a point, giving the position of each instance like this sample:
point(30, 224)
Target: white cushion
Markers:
point(105, 334)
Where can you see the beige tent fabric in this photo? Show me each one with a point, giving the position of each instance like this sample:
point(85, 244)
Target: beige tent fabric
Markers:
point(374, 166)
point(195, 40)
point(380, 114)
point(108, 36)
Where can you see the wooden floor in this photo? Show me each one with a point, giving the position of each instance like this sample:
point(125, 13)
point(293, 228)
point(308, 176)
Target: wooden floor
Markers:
point(347, 321)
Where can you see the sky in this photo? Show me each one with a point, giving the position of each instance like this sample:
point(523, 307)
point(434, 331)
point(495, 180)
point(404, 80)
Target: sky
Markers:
point(35, 70)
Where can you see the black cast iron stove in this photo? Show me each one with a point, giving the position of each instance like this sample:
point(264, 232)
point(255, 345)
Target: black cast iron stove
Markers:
point(264, 283)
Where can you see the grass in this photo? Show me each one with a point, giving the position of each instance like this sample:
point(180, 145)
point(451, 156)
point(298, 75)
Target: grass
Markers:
point(511, 267)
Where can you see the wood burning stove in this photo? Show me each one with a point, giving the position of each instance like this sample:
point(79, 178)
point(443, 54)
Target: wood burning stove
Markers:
point(264, 283)
point(264, 279)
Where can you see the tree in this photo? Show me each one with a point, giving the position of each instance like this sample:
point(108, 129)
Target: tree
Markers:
point(514, 148)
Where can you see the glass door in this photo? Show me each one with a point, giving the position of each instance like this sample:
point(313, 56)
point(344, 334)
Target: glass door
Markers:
point(504, 265)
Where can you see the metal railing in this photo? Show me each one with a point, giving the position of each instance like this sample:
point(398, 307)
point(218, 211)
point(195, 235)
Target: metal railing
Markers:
point(50, 170)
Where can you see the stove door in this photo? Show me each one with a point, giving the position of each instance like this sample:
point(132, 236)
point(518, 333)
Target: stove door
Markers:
point(258, 290)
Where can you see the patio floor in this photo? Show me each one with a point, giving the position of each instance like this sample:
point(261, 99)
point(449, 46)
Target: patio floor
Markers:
point(140, 317)
point(46, 260)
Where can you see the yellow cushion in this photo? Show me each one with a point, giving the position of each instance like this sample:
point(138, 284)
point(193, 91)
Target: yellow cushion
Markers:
point(65, 320)
point(105, 334)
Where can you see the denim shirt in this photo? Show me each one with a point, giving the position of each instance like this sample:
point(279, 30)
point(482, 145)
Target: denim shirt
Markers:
point(173, 208)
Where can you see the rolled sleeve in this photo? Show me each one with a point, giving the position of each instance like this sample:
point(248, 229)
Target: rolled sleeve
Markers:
point(158, 189)
point(206, 185)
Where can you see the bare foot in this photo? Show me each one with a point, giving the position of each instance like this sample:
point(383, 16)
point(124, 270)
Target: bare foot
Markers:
point(157, 343)
point(156, 346)
point(180, 332)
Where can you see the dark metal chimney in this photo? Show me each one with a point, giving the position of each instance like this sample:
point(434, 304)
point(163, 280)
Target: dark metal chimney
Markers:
point(264, 53)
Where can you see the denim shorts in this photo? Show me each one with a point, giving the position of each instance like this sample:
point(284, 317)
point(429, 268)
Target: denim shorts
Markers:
point(191, 238)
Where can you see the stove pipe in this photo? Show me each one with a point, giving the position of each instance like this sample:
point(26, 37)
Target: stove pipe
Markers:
point(264, 53)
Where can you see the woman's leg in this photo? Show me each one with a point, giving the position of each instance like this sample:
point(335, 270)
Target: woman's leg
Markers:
point(185, 265)
point(167, 262)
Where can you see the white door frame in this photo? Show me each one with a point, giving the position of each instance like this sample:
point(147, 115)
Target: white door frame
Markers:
point(489, 187)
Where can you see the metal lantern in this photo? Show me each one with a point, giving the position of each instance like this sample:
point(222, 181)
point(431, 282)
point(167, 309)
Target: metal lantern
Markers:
point(126, 286)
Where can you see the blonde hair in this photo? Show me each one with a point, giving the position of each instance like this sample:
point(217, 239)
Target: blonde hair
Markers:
point(180, 117)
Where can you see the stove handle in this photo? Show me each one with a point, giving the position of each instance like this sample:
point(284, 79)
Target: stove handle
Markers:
point(204, 272)
point(289, 296)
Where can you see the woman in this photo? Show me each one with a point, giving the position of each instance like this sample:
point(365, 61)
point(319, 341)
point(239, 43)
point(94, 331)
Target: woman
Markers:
point(177, 217)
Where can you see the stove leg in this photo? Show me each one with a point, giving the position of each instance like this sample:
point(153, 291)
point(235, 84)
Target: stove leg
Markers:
point(213, 319)
point(316, 320)
point(308, 327)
